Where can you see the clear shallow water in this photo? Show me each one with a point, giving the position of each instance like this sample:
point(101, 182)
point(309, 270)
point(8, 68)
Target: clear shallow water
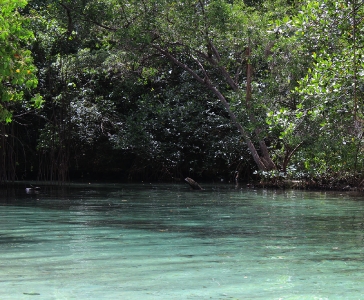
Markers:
point(167, 242)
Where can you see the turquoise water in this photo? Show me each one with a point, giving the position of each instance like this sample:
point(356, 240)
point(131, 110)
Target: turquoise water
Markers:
point(168, 242)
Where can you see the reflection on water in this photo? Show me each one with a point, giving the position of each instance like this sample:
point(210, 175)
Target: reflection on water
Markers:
point(167, 242)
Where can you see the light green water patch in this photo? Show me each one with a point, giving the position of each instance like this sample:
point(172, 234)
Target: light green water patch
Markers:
point(167, 242)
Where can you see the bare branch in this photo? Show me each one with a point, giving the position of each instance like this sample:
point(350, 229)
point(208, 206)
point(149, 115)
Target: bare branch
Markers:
point(178, 63)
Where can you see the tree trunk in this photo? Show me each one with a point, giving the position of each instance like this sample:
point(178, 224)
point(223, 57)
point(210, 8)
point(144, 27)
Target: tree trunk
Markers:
point(8, 152)
point(249, 75)
point(269, 164)
point(288, 155)
point(263, 166)
point(264, 163)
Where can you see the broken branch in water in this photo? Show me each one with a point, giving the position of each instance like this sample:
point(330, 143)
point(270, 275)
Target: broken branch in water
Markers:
point(193, 183)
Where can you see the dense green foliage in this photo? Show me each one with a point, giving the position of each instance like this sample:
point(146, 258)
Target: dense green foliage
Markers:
point(17, 72)
point(158, 90)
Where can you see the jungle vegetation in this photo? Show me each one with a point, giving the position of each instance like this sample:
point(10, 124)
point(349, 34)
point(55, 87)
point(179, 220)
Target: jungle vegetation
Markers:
point(161, 89)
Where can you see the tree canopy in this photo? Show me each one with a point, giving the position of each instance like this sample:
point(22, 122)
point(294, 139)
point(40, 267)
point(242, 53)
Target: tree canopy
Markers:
point(171, 88)
point(17, 71)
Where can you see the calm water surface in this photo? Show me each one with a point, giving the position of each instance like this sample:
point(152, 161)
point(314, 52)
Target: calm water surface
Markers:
point(167, 242)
